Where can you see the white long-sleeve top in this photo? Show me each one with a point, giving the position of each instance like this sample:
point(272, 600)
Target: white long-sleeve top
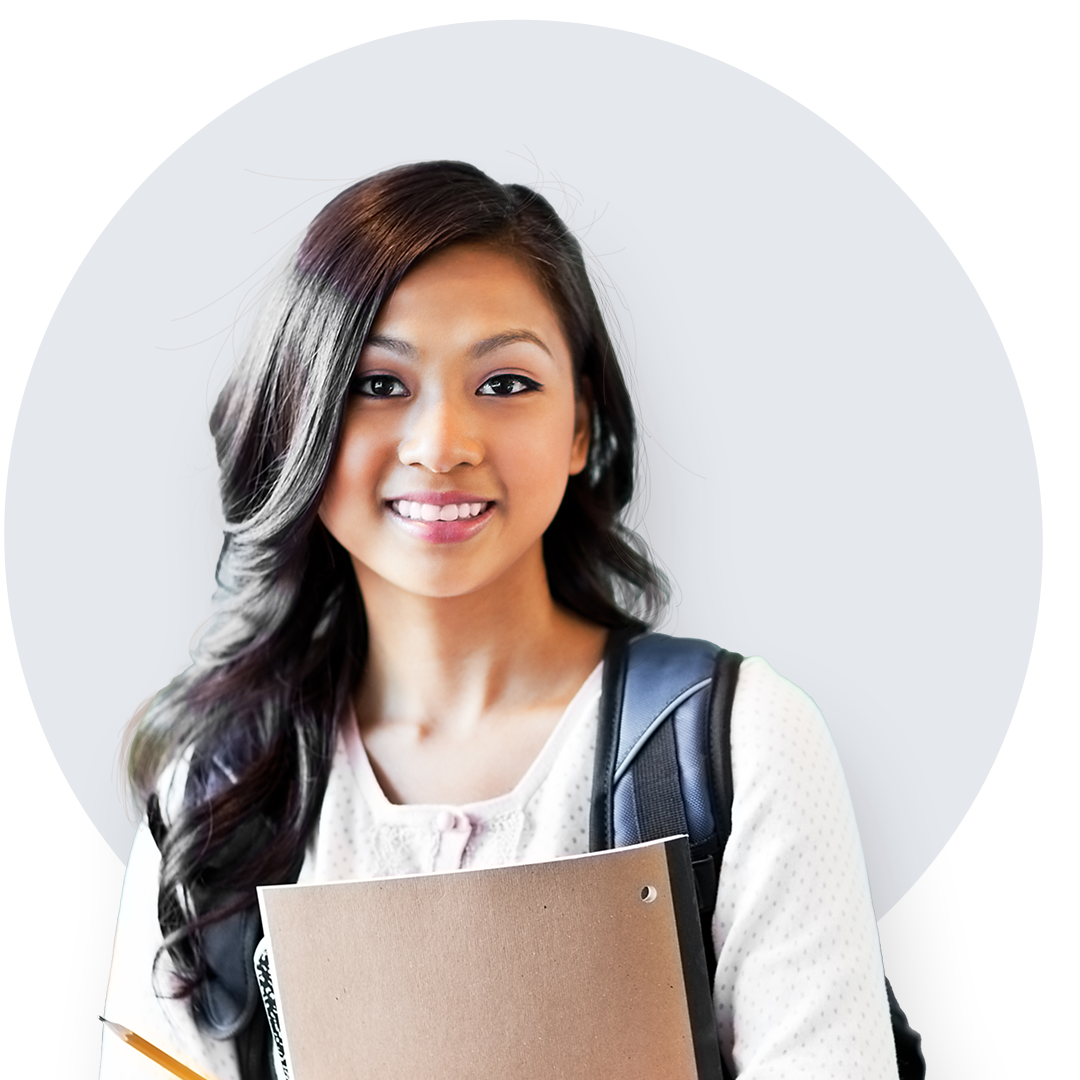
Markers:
point(799, 989)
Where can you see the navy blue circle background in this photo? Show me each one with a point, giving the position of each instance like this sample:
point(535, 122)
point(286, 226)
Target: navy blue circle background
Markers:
point(840, 475)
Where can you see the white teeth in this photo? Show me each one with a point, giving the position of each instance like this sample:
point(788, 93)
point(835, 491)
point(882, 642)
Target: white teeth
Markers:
point(430, 512)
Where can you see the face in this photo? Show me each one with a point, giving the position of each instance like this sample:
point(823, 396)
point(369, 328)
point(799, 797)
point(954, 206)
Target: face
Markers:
point(461, 430)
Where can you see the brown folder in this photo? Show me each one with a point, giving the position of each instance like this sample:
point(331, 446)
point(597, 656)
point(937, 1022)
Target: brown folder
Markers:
point(590, 967)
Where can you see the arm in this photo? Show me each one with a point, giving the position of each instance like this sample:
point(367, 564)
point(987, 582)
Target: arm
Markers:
point(799, 987)
point(131, 999)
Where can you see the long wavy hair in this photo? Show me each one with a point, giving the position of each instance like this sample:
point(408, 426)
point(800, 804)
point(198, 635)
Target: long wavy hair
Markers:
point(253, 720)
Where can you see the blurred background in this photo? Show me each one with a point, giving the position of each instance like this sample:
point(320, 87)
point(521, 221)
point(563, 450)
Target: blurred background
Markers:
point(960, 188)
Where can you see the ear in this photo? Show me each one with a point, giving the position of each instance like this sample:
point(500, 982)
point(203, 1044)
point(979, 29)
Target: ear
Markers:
point(583, 414)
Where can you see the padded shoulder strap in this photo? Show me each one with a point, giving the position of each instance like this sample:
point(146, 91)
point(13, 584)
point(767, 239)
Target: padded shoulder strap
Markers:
point(662, 674)
point(646, 678)
point(663, 763)
point(662, 755)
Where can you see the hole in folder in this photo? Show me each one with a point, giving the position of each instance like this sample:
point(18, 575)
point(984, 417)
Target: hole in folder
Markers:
point(648, 893)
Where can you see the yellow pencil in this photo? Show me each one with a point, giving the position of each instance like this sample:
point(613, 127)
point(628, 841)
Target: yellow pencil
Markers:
point(166, 1061)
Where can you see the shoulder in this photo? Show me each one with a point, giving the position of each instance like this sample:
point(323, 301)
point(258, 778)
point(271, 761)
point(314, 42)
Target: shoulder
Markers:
point(784, 765)
point(779, 742)
point(761, 685)
point(776, 728)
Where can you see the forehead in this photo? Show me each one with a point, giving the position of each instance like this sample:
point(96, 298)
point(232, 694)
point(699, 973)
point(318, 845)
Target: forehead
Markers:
point(467, 295)
point(471, 285)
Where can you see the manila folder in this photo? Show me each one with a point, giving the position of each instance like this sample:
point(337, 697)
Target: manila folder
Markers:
point(590, 966)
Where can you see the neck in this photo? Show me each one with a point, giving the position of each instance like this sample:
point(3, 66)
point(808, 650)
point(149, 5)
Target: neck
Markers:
point(455, 662)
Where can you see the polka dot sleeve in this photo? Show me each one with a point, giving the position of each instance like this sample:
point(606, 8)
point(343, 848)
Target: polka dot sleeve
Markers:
point(799, 989)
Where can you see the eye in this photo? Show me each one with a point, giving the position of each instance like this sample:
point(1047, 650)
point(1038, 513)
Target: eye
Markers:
point(378, 386)
point(506, 385)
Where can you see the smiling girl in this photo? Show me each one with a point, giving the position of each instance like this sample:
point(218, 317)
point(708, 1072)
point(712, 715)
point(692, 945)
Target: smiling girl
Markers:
point(464, 423)
point(424, 453)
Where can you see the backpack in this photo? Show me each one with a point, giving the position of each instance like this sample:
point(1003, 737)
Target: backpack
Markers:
point(663, 768)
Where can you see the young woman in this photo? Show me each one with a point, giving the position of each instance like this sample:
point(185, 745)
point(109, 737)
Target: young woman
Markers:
point(424, 456)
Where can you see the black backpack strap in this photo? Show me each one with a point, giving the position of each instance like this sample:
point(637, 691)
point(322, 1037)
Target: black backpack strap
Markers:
point(710, 854)
point(601, 824)
point(909, 1057)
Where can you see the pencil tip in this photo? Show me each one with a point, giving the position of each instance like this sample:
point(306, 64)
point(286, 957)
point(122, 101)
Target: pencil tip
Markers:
point(116, 1028)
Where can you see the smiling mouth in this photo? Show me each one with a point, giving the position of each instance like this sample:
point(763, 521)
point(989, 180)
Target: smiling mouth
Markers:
point(421, 511)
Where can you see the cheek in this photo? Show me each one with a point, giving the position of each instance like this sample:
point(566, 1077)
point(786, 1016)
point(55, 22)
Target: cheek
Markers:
point(541, 457)
point(362, 451)
point(331, 509)
point(350, 485)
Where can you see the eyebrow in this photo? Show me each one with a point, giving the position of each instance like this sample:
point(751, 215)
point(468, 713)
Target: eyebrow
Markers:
point(508, 337)
point(392, 344)
point(481, 348)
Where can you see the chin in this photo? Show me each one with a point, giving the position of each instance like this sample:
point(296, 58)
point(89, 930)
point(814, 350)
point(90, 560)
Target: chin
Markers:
point(436, 586)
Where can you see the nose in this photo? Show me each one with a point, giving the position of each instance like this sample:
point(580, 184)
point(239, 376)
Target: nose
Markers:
point(440, 438)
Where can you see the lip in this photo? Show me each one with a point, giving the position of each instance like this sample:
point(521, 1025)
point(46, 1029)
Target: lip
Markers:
point(439, 498)
point(441, 532)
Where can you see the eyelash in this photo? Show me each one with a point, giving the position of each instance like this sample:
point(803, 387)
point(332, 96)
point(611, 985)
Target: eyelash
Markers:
point(526, 385)
point(362, 384)
point(365, 386)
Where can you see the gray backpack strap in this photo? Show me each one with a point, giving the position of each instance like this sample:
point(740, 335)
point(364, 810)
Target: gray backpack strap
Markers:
point(228, 1000)
point(662, 765)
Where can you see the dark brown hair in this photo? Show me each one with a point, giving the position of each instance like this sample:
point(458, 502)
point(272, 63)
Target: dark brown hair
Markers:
point(252, 723)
